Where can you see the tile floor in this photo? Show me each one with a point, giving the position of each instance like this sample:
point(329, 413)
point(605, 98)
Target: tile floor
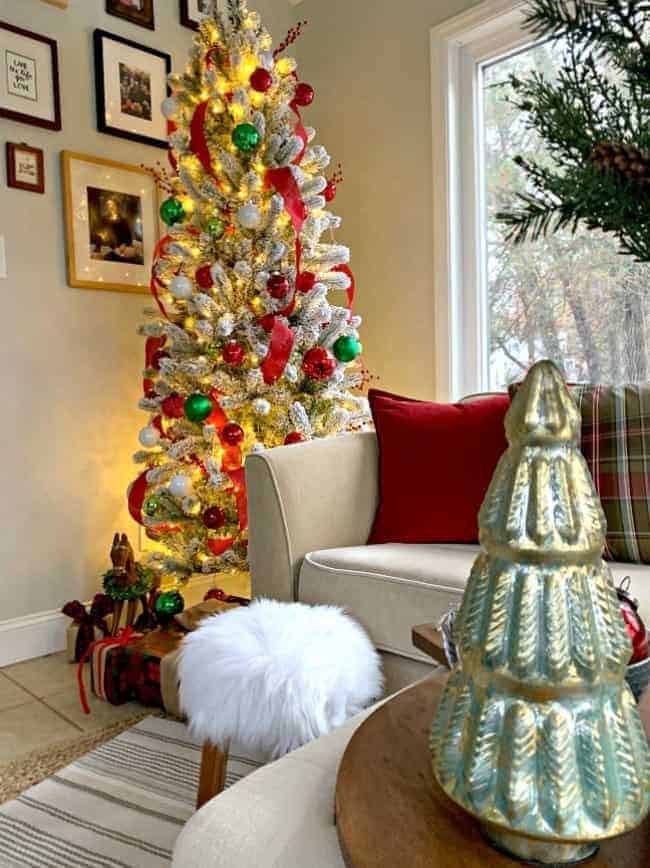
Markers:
point(39, 699)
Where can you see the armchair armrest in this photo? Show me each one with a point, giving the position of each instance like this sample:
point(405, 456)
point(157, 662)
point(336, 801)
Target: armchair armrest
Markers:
point(304, 497)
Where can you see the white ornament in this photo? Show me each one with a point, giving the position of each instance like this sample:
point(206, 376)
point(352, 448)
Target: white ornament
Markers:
point(180, 485)
point(261, 406)
point(169, 107)
point(181, 286)
point(249, 216)
point(149, 436)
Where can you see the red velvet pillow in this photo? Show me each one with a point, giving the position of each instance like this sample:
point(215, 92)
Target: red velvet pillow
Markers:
point(435, 465)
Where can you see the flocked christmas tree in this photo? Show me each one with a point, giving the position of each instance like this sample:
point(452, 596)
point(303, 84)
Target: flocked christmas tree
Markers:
point(245, 350)
point(538, 733)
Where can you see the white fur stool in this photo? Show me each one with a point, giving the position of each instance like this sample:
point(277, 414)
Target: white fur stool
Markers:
point(272, 676)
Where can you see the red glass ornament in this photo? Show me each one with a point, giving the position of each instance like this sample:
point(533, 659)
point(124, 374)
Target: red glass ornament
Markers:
point(635, 627)
point(203, 277)
point(318, 364)
point(232, 434)
point(278, 285)
point(214, 517)
point(294, 437)
point(261, 80)
point(157, 358)
point(214, 594)
point(233, 354)
point(330, 191)
point(304, 94)
point(305, 281)
point(173, 406)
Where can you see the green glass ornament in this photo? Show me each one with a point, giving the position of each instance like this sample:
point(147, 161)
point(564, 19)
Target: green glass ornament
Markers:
point(150, 506)
point(168, 604)
point(172, 211)
point(198, 407)
point(346, 348)
point(246, 138)
point(215, 227)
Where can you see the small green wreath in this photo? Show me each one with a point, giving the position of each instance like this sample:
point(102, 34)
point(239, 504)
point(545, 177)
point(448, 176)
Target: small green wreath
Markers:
point(128, 592)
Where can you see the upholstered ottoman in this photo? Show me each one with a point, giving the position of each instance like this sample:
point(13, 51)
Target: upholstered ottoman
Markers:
point(272, 677)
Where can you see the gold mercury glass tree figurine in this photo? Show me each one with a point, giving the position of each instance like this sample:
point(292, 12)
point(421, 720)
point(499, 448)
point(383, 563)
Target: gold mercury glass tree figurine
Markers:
point(537, 734)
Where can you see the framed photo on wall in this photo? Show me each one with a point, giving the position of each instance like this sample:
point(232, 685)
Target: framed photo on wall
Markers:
point(29, 78)
point(136, 11)
point(25, 168)
point(131, 83)
point(193, 10)
point(111, 218)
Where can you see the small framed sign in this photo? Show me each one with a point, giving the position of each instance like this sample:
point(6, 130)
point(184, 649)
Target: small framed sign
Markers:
point(131, 83)
point(193, 10)
point(136, 11)
point(25, 168)
point(112, 226)
point(29, 78)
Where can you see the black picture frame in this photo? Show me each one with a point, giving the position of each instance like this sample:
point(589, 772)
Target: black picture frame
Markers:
point(143, 18)
point(23, 117)
point(186, 18)
point(100, 86)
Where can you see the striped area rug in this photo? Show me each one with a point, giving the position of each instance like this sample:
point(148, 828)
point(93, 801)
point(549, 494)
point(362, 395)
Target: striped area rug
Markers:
point(120, 806)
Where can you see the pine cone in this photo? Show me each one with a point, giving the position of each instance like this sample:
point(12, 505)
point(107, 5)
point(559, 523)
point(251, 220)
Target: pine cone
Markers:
point(626, 160)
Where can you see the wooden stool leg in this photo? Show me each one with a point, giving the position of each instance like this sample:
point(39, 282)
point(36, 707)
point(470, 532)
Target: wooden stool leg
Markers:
point(212, 778)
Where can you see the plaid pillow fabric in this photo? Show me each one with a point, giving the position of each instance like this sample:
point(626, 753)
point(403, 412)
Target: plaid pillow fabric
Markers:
point(616, 445)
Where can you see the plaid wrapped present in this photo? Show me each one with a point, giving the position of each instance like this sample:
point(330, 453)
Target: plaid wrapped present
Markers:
point(616, 444)
point(122, 672)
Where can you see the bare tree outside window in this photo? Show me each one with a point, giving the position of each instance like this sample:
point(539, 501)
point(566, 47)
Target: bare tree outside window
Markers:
point(571, 298)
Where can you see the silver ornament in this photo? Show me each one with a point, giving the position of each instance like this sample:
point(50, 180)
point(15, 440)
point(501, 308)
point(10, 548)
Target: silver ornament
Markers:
point(261, 406)
point(180, 485)
point(249, 216)
point(149, 436)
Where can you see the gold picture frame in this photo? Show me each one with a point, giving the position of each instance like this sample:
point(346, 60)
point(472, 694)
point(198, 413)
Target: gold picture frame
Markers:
point(111, 221)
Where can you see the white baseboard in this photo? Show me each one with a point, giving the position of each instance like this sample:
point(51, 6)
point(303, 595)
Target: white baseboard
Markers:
point(44, 632)
point(32, 636)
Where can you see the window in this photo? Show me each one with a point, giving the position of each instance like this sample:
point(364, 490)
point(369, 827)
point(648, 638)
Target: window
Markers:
point(501, 307)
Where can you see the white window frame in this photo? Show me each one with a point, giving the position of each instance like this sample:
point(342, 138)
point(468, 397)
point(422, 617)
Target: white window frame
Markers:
point(484, 33)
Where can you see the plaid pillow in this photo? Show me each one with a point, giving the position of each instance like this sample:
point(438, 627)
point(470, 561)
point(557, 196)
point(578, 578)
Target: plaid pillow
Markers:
point(616, 445)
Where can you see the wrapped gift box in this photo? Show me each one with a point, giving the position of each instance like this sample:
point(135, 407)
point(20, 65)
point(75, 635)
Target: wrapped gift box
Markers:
point(144, 669)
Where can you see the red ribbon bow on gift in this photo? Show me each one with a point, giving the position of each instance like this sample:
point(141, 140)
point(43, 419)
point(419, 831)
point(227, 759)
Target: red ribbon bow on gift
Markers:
point(88, 620)
point(124, 636)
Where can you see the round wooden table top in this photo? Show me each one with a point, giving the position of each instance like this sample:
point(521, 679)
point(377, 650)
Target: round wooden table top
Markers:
point(391, 813)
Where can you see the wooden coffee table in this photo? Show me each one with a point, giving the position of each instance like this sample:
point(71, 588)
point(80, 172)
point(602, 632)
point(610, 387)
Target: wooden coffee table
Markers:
point(391, 813)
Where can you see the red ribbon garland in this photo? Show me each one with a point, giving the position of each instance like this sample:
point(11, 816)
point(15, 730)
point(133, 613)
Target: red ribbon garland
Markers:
point(198, 141)
point(125, 635)
point(300, 131)
point(152, 345)
point(239, 483)
point(171, 128)
point(282, 339)
point(219, 546)
point(344, 269)
point(155, 284)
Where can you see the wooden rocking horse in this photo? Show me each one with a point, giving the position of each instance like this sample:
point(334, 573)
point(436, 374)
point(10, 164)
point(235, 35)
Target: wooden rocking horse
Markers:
point(124, 575)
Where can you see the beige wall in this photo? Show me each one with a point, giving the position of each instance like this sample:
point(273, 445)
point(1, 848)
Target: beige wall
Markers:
point(70, 359)
point(368, 61)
